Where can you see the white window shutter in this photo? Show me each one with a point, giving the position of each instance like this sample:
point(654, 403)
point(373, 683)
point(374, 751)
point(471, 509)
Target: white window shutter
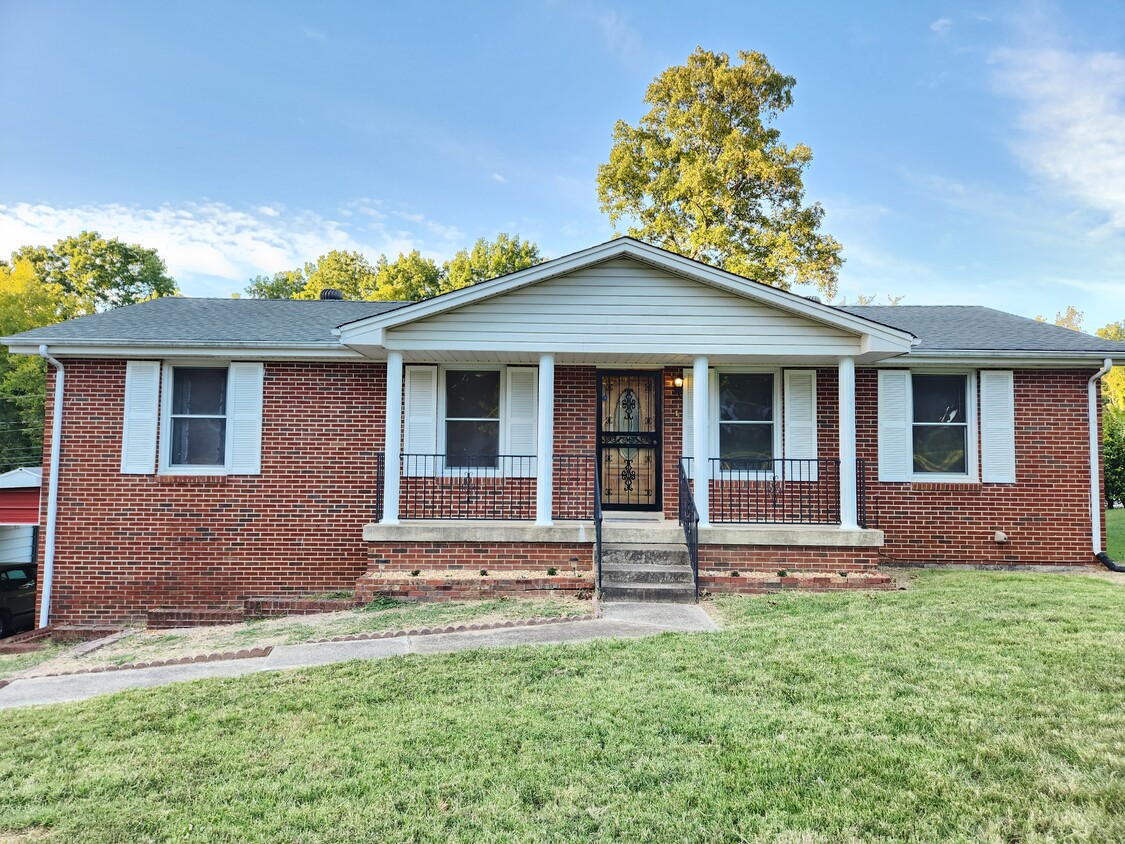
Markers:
point(998, 426)
point(687, 445)
point(244, 417)
point(521, 408)
point(800, 423)
point(895, 446)
point(420, 420)
point(138, 429)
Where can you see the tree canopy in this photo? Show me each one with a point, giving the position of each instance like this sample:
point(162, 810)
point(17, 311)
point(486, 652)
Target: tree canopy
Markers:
point(94, 273)
point(704, 174)
point(410, 276)
point(42, 285)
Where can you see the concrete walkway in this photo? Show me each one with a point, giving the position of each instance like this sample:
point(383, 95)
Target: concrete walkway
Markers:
point(619, 620)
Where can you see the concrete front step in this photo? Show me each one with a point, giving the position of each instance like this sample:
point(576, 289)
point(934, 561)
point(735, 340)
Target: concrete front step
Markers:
point(667, 593)
point(644, 555)
point(616, 574)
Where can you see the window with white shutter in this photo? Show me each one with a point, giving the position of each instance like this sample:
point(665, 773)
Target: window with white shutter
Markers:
point(419, 420)
point(245, 424)
point(520, 411)
point(927, 426)
point(138, 429)
point(894, 425)
point(799, 408)
point(211, 418)
point(998, 426)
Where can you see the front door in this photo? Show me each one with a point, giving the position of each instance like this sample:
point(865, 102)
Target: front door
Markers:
point(629, 439)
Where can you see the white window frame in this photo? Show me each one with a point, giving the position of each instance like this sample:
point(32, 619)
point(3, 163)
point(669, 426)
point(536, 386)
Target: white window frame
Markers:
point(502, 427)
point(972, 473)
point(164, 462)
point(713, 434)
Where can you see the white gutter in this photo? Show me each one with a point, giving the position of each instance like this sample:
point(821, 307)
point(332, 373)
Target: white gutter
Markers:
point(1095, 485)
point(53, 489)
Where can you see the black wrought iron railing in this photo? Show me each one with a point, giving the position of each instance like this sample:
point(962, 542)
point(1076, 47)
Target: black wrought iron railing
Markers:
point(597, 527)
point(467, 486)
point(689, 520)
point(380, 478)
point(774, 491)
point(573, 482)
point(492, 486)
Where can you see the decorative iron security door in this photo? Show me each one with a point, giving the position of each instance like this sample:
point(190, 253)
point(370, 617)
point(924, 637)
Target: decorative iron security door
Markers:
point(629, 440)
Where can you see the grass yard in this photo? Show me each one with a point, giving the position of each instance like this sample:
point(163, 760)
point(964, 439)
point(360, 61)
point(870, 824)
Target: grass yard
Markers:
point(975, 707)
point(385, 614)
point(1115, 534)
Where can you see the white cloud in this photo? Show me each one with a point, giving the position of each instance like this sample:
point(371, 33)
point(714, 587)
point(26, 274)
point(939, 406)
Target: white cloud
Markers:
point(497, 177)
point(1072, 122)
point(941, 26)
point(212, 248)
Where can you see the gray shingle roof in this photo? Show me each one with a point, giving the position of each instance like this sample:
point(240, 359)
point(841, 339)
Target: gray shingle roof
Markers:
point(175, 320)
point(978, 329)
point(181, 320)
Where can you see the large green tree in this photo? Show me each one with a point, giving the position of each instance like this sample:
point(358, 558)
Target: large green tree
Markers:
point(408, 277)
point(95, 273)
point(1114, 382)
point(705, 174)
point(42, 285)
point(25, 303)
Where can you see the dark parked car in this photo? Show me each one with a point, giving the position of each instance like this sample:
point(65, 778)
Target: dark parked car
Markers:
point(17, 596)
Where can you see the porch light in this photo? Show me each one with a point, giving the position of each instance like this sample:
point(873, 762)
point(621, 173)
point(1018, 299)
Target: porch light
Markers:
point(678, 382)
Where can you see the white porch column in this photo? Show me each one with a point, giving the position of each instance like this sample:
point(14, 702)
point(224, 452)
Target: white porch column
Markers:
point(545, 453)
point(392, 439)
point(848, 509)
point(701, 430)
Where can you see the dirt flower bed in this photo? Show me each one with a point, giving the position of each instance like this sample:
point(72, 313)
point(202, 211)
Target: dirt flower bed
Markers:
point(475, 574)
point(140, 645)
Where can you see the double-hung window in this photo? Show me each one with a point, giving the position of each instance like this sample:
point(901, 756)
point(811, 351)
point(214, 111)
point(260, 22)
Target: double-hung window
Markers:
point(472, 418)
point(197, 433)
point(746, 420)
point(940, 427)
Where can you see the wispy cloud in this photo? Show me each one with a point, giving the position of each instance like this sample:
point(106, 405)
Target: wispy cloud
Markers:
point(615, 29)
point(1071, 122)
point(498, 177)
point(313, 34)
point(941, 26)
point(212, 248)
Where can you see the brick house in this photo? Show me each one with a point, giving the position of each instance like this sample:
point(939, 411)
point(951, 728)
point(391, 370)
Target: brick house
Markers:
point(587, 408)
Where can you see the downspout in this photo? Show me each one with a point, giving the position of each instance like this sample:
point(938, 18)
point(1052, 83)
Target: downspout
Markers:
point(1096, 496)
point(53, 489)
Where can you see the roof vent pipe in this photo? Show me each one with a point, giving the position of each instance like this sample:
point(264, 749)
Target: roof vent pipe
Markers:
point(331, 293)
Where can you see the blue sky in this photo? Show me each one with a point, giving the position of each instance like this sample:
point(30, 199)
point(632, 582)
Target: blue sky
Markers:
point(964, 152)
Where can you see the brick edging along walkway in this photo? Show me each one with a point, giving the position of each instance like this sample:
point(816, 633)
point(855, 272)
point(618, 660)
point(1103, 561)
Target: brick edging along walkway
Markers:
point(253, 653)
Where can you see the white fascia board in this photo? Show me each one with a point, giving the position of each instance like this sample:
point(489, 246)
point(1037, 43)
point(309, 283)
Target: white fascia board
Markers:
point(358, 331)
point(226, 351)
point(996, 358)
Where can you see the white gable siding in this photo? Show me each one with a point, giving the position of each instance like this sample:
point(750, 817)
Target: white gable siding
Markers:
point(622, 306)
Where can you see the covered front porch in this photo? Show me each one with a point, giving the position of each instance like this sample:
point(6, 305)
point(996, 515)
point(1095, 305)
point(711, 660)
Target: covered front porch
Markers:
point(621, 397)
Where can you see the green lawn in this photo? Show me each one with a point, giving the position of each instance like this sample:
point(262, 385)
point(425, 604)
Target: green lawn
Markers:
point(1115, 534)
point(973, 708)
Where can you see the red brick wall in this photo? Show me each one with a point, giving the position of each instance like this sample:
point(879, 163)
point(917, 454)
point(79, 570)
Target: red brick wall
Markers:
point(473, 556)
point(126, 543)
point(1045, 514)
